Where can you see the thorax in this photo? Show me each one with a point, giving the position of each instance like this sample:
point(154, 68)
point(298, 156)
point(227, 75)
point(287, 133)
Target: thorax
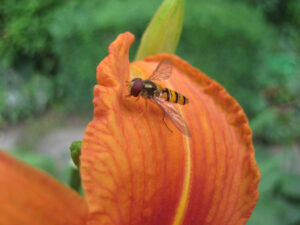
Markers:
point(150, 89)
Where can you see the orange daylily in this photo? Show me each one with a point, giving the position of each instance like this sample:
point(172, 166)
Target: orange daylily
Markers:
point(31, 197)
point(137, 172)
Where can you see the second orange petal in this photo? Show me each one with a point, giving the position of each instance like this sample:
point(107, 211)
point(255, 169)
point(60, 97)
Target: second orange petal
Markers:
point(29, 196)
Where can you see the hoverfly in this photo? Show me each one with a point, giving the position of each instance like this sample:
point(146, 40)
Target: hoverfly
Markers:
point(163, 97)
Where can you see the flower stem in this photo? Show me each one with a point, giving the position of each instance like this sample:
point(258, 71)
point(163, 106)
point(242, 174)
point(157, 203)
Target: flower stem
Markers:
point(75, 181)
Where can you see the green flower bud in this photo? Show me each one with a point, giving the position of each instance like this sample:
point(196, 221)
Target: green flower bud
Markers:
point(163, 32)
point(75, 150)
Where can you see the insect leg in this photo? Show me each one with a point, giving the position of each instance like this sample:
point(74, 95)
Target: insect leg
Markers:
point(142, 112)
point(166, 123)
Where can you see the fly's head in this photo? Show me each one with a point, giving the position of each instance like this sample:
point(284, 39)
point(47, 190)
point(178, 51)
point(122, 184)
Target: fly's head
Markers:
point(135, 87)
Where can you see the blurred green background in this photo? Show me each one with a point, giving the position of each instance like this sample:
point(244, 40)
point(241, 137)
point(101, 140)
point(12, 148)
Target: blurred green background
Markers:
point(49, 51)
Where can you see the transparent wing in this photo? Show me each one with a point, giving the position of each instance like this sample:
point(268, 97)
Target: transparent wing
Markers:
point(173, 114)
point(163, 71)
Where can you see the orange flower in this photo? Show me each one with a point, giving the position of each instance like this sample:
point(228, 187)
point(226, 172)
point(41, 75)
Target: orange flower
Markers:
point(31, 197)
point(135, 171)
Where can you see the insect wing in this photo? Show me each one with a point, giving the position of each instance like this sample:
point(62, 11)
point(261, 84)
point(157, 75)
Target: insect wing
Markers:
point(173, 114)
point(163, 71)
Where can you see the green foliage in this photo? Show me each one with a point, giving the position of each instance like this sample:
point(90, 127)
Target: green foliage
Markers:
point(21, 99)
point(49, 51)
point(48, 164)
point(256, 61)
point(37, 161)
point(227, 47)
point(279, 201)
point(62, 42)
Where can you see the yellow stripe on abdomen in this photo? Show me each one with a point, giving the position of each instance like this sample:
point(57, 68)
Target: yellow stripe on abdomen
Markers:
point(180, 99)
point(165, 94)
point(173, 96)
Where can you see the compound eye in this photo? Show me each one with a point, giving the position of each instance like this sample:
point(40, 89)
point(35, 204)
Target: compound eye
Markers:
point(137, 86)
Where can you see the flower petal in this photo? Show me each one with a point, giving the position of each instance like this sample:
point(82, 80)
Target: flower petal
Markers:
point(135, 171)
point(29, 196)
point(224, 174)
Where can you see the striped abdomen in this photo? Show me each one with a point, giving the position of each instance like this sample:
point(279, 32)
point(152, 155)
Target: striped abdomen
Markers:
point(173, 96)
